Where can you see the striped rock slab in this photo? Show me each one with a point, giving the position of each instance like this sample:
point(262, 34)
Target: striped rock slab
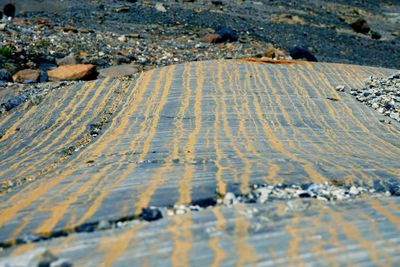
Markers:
point(101, 151)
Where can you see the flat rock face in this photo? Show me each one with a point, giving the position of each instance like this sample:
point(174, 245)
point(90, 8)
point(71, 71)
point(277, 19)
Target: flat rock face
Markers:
point(188, 133)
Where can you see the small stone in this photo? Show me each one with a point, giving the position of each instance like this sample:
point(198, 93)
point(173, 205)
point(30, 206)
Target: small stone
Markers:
point(360, 25)
point(122, 38)
point(103, 224)
point(375, 105)
point(217, 2)
point(151, 214)
point(160, 7)
point(2, 26)
point(26, 75)
point(354, 191)
point(121, 9)
point(229, 199)
point(9, 10)
point(340, 88)
point(179, 212)
point(375, 35)
point(170, 213)
point(304, 195)
point(263, 193)
point(73, 72)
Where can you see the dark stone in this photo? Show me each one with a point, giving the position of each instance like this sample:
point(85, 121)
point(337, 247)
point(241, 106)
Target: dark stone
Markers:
point(14, 102)
point(43, 76)
point(217, 3)
point(360, 25)
point(151, 214)
point(304, 195)
point(305, 186)
point(375, 35)
point(94, 129)
point(378, 186)
point(226, 35)
point(204, 203)
point(1, 15)
point(5, 76)
point(86, 228)
point(9, 10)
point(393, 187)
point(301, 53)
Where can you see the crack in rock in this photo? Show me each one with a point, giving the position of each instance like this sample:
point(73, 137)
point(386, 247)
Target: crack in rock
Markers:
point(260, 193)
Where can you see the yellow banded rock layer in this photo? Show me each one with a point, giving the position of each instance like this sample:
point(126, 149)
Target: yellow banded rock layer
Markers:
point(185, 133)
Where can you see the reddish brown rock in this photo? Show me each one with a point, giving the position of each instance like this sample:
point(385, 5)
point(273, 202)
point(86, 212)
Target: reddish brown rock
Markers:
point(73, 72)
point(26, 75)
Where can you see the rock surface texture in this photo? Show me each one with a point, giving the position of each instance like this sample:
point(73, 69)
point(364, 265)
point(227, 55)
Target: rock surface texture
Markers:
point(163, 169)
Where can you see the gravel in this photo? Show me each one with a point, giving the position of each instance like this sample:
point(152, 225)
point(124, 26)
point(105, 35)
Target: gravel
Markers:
point(382, 94)
point(265, 193)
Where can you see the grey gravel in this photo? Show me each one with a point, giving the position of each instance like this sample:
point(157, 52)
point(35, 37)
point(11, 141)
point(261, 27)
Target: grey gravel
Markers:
point(382, 94)
point(264, 193)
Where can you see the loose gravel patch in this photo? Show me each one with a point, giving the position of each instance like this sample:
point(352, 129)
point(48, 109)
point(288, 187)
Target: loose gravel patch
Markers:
point(382, 94)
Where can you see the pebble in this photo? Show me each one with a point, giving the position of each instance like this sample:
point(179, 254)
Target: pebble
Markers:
point(354, 190)
point(160, 7)
point(229, 199)
point(103, 224)
point(151, 214)
point(122, 38)
point(9, 10)
point(340, 88)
